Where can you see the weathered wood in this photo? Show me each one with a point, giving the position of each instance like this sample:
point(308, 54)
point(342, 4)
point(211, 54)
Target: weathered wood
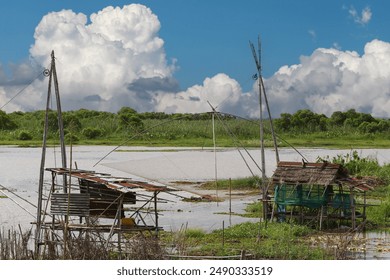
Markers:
point(70, 204)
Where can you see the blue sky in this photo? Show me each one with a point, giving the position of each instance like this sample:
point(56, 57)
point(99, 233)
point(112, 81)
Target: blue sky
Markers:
point(205, 38)
point(208, 37)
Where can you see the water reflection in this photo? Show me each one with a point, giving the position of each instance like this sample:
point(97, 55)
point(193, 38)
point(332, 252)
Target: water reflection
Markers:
point(374, 245)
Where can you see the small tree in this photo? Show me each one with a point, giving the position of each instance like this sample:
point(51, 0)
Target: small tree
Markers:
point(24, 135)
point(6, 123)
point(92, 133)
point(129, 118)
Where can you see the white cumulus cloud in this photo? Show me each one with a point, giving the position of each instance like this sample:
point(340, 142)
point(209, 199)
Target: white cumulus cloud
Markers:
point(100, 61)
point(332, 80)
point(221, 91)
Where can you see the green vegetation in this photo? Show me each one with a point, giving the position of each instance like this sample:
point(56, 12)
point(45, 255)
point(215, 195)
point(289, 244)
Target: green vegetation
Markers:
point(342, 129)
point(376, 174)
point(249, 183)
point(302, 129)
point(254, 210)
point(277, 241)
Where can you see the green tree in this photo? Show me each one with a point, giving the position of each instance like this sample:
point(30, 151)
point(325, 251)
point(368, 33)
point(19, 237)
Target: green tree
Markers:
point(92, 133)
point(127, 110)
point(129, 118)
point(369, 127)
point(355, 119)
point(284, 122)
point(24, 135)
point(6, 123)
point(338, 118)
point(71, 121)
point(307, 121)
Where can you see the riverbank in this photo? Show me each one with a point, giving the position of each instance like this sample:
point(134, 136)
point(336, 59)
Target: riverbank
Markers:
point(311, 140)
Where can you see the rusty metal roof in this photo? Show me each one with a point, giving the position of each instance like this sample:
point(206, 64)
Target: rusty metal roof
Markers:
point(116, 183)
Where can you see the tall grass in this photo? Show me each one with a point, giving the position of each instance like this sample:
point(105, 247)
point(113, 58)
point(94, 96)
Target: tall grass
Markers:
point(18, 245)
point(277, 241)
point(247, 183)
point(15, 245)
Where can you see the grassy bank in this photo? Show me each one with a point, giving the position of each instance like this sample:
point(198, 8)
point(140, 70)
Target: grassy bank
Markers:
point(315, 140)
point(277, 241)
point(127, 127)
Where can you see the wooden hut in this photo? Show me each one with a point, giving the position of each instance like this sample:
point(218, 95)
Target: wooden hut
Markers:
point(317, 192)
point(85, 202)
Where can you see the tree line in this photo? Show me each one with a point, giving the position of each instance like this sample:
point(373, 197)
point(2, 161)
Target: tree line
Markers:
point(306, 121)
point(84, 124)
point(88, 124)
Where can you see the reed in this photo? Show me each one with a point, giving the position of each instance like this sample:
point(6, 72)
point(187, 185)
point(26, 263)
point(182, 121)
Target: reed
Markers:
point(15, 244)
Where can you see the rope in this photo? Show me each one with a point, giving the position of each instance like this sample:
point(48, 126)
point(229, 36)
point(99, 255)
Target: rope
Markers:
point(278, 136)
point(136, 135)
point(19, 92)
point(14, 201)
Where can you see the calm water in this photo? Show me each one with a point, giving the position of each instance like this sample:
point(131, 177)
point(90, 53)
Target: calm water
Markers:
point(19, 172)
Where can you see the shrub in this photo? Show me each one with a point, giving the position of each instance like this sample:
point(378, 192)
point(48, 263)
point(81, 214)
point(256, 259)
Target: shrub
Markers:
point(92, 133)
point(6, 122)
point(195, 233)
point(71, 121)
point(130, 121)
point(71, 138)
point(24, 135)
point(380, 214)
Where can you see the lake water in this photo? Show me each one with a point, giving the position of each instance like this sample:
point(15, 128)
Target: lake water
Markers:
point(19, 172)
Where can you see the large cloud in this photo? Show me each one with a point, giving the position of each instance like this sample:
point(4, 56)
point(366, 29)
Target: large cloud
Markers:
point(98, 62)
point(331, 80)
point(221, 91)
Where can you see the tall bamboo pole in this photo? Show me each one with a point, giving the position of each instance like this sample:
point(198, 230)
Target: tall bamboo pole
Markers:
point(52, 77)
point(42, 169)
point(59, 116)
point(215, 156)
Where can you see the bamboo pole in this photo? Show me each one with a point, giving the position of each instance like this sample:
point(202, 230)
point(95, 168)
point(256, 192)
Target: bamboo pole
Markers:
point(352, 203)
point(52, 77)
point(215, 156)
point(271, 123)
point(42, 168)
point(155, 212)
point(230, 199)
point(120, 226)
point(60, 122)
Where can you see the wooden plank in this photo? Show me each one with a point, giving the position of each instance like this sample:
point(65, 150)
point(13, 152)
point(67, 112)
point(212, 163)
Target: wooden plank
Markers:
point(70, 204)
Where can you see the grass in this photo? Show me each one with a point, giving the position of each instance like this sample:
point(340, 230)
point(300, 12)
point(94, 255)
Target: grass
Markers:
point(253, 210)
point(277, 241)
point(326, 140)
point(248, 183)
point(379, 215)
point(302, 141)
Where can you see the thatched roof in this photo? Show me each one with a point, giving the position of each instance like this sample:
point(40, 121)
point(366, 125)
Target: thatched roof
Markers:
point(323, 174)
